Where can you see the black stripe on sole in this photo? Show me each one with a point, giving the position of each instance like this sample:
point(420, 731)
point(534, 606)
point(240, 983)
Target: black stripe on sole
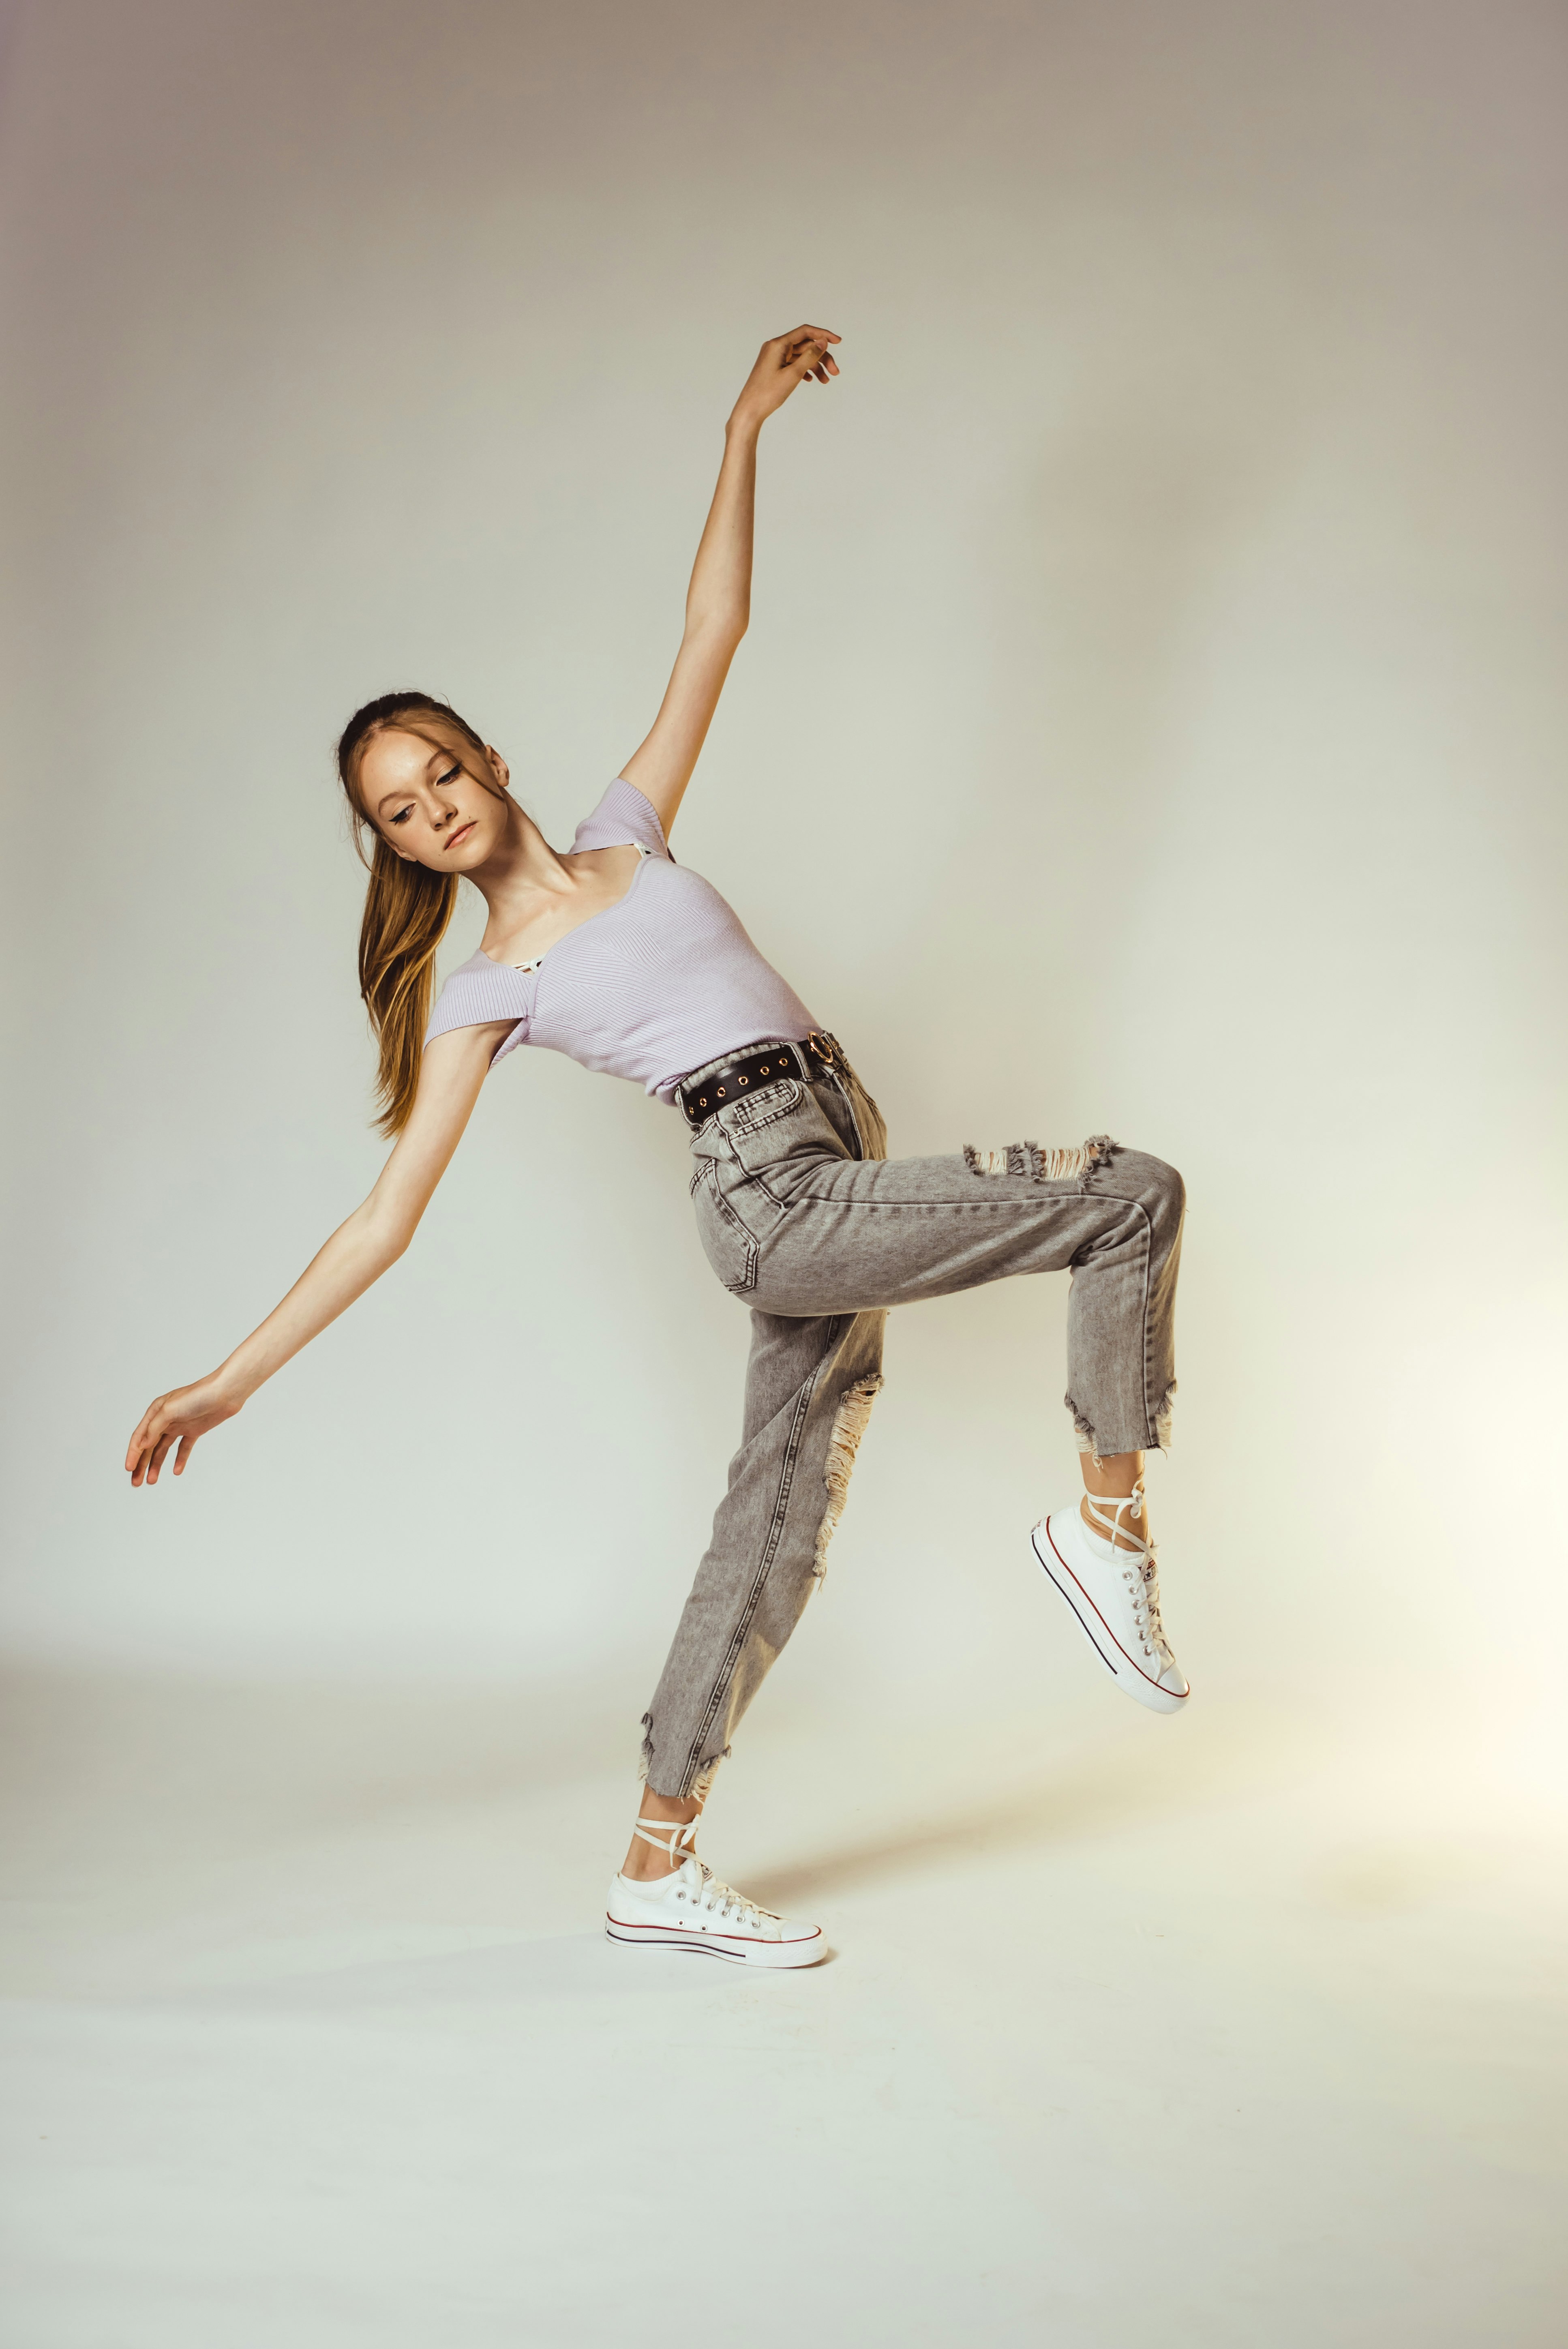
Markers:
point(1062, 1590)
point(700, 1947)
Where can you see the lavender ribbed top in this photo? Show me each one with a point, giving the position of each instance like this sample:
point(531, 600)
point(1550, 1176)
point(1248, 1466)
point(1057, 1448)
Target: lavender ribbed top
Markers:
point(651, 987)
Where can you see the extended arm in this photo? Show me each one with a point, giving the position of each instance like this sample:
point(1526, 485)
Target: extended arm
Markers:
point(719, 601)
point(357, 1254)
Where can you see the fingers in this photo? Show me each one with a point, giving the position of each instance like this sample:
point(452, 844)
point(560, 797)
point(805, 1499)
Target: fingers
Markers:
point(811, 359)
point(180, 1418)
point(141, 1443)
point(816, 340)
point(144, 1424)
point(806, 352)
point(148, 1448)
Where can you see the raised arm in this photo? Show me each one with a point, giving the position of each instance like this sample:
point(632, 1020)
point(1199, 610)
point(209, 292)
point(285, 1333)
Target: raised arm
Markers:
point(719, 601)
point(358, 1253)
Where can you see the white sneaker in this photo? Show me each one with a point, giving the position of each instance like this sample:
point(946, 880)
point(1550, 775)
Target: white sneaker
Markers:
point(691, 1909)
point(1115, 1594)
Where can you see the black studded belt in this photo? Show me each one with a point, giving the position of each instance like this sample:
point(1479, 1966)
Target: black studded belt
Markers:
point(736, 1078)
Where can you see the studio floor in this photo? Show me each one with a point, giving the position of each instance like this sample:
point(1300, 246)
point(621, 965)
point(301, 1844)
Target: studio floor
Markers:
point(1226, 2031)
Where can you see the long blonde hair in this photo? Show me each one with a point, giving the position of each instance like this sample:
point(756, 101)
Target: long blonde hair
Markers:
point(407, 907)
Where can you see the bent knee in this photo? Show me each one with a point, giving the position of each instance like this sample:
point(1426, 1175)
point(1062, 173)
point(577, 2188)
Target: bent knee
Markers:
point(1170, 1192)
point(1159, 1186)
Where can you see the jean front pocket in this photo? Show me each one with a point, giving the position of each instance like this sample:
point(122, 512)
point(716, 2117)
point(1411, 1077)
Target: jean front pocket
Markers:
point(728, 1245)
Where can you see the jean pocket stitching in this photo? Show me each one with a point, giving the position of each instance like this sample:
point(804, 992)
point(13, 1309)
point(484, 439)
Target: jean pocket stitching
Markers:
point(774, 1101)
point(749, 1277)
point(748, 1242)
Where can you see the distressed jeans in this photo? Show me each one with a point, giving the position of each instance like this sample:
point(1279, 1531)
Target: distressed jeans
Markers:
point(804, 1217)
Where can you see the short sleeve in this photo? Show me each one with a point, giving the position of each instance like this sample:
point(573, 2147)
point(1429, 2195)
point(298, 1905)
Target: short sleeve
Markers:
point(625, 818)
point(479, 991)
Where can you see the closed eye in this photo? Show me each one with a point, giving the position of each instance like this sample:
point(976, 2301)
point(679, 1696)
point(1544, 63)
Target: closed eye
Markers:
point(441, 781)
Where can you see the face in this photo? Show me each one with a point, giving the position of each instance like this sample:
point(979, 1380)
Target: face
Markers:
point(428, 808)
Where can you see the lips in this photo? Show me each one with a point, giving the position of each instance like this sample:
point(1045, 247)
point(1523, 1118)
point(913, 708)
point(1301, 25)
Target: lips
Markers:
point(461, 833)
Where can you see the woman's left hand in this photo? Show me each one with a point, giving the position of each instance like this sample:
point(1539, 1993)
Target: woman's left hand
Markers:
point(782, 363)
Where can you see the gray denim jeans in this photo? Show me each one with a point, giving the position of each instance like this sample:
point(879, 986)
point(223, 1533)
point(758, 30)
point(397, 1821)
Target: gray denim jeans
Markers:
point(804, 1216)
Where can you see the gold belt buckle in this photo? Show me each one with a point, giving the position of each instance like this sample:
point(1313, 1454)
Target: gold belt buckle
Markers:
point(821, 1045)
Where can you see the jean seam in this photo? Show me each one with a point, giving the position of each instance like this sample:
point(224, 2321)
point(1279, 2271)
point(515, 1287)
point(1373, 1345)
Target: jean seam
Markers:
point(1147, 1443)
point(1146, 1238)
point(847, 1097)
point(1038, 1193)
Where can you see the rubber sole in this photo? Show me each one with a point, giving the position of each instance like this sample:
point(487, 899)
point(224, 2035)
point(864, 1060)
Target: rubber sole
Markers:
point(1127, 1676)
point(735, 1952)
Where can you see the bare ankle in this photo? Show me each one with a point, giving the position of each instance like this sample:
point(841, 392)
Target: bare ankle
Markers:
point(641, 1866)
point(645, 1861)
point(1107, 1516)
point(1111, 1481)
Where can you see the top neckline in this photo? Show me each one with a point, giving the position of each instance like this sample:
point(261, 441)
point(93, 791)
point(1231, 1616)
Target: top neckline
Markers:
point(645, 858)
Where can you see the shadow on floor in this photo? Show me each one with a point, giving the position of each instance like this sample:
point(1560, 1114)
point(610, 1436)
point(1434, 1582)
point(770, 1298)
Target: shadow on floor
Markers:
point(1124, 1786)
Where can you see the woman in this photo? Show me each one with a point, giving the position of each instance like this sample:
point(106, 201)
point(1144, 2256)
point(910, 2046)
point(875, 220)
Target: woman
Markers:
point(613, 954)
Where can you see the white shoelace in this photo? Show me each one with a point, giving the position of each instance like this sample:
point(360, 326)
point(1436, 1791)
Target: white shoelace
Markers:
point(712, 1894)
point(1139, 1564)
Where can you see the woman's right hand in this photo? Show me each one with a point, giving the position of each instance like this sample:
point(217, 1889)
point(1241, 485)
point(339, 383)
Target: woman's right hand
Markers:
point(179, 1418)
point(783, 364)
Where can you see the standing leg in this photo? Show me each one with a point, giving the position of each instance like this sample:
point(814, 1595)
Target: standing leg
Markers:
point(809, 1391)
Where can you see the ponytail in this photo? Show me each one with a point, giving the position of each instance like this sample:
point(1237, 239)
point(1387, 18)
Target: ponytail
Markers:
point(406, 906)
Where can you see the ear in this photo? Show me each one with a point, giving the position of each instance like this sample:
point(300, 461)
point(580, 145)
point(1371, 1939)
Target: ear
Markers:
point(502, 770)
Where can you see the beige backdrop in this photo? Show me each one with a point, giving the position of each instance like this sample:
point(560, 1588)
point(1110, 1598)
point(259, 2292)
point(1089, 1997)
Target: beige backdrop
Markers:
point(1151, 720)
